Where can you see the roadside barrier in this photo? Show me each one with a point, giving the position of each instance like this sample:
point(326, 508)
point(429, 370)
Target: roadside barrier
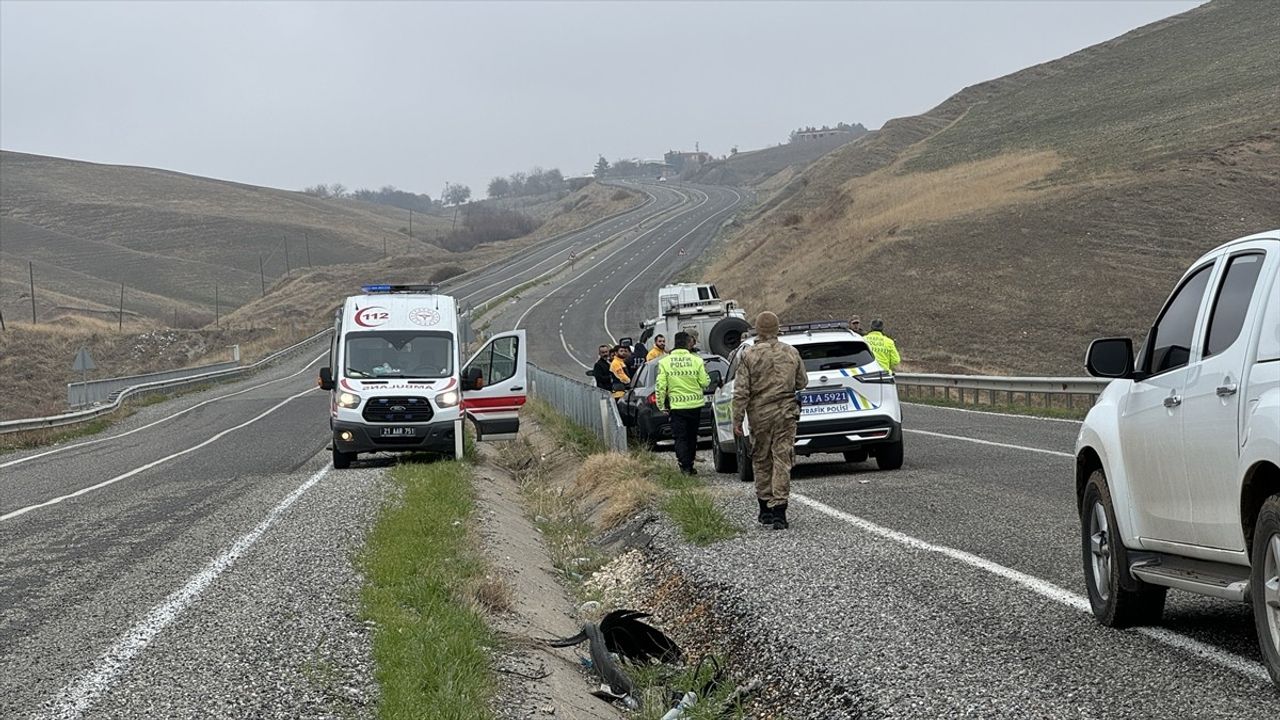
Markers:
point(84, 394)
point(1073, 391)
point(586, 405)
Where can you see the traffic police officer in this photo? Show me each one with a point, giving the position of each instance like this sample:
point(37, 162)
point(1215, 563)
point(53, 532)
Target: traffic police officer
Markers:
point(769, 375)
point(682, 379)
point(883, 347)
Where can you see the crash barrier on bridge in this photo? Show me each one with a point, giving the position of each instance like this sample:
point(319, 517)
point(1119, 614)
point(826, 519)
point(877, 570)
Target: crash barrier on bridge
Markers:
point(587, 406)
point(1064, 392)
point(93, 392)
point(71, 418)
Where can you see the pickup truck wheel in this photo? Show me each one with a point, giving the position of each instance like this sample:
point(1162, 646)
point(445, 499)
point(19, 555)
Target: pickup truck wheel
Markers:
point(889, 457)
point(1115, 603)
point(746, 473)
point(342, 460)
point(721, 460)
point(1266, 581)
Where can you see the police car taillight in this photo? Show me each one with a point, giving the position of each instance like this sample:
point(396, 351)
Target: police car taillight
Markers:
point(878, 376)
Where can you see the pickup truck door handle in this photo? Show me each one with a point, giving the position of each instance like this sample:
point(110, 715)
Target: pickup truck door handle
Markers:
point(1172, 401)
point(1227, 390)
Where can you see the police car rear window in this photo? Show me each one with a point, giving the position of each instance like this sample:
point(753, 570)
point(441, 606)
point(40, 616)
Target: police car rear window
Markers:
point(842, 354)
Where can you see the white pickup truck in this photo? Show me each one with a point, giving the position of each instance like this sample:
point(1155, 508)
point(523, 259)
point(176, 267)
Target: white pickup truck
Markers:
point(1178, 465)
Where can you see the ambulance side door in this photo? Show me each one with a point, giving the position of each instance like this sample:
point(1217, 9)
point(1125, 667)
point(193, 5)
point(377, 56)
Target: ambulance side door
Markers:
point(494, 406)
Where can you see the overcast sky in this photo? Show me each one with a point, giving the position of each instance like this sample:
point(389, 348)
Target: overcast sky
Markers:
point(288, 94)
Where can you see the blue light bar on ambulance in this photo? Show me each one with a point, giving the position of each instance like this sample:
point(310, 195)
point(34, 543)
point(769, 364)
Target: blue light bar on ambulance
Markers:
point(794, 328)
point(375, 289)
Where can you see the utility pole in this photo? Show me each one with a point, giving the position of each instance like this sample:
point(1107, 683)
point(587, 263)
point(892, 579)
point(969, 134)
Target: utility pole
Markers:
point(410, 223)
point(384, 246)
point(263, 274)
point(175, 317)
point(120, 328)
point(31, 272)
point(287, 268)
point(307, 238)
point(217, 308)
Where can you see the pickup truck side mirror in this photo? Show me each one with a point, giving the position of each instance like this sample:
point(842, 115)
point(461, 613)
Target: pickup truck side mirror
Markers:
point(472, 379)
point(716, 381)
point(326, 378)
point(1110, 358)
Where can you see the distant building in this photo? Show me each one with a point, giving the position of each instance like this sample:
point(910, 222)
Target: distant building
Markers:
point(679, 160)
point(812, 133)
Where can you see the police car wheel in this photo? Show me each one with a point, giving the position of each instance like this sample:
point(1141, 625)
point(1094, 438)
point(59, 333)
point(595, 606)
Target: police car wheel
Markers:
point(723, 461)
point(746, 473)
point(889, 457)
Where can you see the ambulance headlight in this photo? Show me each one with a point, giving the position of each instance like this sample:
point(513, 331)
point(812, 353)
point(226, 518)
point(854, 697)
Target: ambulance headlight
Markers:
point(447, 399)
point(348, 400)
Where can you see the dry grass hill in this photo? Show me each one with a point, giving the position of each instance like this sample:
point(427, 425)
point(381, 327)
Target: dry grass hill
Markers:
point(773, 164)
point(169, 237)
point(1023, 216)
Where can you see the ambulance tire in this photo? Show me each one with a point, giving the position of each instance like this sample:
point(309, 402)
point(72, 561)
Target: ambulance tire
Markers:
point(726, 335)
point(342, 460)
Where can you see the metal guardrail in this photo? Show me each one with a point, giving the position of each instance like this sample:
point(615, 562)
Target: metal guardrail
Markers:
point(71, 418)
point(586, 405)
point(83, 394)
point(965, 386)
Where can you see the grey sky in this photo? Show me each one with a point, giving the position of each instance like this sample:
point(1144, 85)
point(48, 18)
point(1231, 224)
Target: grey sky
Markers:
point(288, 94)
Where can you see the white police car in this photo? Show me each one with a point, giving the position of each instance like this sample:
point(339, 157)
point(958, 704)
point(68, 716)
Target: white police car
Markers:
point(850, 406)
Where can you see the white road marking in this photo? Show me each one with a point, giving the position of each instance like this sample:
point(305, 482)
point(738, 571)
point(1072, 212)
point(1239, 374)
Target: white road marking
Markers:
point(154, 463)
point(79, 695)
point(65, 448)
point(989, 412)
point(1055, 453)
point(1043, 588)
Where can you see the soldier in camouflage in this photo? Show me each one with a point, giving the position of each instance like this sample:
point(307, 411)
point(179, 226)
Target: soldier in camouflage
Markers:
point(769, 375)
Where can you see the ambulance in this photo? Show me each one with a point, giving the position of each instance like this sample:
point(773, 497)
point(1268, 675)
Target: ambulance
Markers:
point(397, 381)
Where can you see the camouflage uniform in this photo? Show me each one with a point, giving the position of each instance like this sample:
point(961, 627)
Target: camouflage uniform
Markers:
point(768, 377)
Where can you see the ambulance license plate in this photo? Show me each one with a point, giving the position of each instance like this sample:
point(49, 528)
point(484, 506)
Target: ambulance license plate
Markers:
point(830, 397)
point(399, 432)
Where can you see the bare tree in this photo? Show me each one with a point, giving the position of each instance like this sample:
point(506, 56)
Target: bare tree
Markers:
point(338, 190)
point(499, 187)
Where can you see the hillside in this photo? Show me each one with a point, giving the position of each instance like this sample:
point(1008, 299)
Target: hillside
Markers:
point(170, 237)
point(1006, 227)
point(757, 166)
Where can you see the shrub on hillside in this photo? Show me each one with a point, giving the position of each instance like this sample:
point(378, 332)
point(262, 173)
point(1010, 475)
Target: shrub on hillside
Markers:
point(483, 224)
point(792, 219)
point(444, 272)
point(620, 195)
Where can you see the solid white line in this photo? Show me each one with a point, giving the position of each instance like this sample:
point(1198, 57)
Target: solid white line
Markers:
point(989, 412)
point(1222, 658)
point(79, 695)
point(1055, 453)
point(65, 448)
point(153, 463)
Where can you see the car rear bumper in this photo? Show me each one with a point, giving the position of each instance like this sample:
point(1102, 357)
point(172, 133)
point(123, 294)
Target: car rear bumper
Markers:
point(657, 426)
point(428, 437)
point(837, 436)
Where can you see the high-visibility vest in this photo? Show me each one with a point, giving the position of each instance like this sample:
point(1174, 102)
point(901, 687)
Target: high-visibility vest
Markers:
point(682, 376)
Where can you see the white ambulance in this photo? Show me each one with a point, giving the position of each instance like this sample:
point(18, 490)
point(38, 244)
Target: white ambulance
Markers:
point(398, 383)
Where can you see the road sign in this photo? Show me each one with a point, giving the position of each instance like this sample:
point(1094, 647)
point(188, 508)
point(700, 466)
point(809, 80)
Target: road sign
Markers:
point(83, 361)
point(681, 252)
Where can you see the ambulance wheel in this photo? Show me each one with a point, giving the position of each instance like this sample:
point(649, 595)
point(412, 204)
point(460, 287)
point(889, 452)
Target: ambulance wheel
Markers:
point(342, 460)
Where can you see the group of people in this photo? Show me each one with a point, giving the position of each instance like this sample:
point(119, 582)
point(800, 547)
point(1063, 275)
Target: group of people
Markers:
point(770, 373)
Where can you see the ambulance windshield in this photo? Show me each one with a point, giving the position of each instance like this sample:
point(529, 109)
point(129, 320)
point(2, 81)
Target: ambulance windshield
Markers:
point(399, 354)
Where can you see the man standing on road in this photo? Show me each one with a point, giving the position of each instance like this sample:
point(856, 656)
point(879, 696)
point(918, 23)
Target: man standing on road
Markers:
point(769, 375)
point(883, 347)
point(601, 373)
point(618, 376)
point(682, 378)
point(659, 348)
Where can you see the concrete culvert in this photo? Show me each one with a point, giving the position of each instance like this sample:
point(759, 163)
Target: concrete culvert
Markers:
point(726, 335)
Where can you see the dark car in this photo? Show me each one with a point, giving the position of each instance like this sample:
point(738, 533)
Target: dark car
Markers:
point(645, 421)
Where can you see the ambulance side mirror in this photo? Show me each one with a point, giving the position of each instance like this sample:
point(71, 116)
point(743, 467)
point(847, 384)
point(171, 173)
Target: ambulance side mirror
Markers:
point(326, 378)
point(472, 379)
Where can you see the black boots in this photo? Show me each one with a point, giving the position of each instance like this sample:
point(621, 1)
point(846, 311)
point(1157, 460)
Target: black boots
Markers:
point(780, 517)
point(766, 515)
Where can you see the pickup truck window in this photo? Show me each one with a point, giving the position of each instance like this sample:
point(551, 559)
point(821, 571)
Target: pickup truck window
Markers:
point(1177, 323)
point(1232, 304)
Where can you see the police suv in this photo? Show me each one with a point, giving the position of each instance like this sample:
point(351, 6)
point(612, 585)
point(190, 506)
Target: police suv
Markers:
point(397, 382)
point(850, 406)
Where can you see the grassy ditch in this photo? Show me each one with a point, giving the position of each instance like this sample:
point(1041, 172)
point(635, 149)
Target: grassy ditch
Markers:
point(29, 439)
point(426, 589)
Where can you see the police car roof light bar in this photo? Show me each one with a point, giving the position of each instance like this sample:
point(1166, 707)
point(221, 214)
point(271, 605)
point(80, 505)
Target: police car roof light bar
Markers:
point(384, 288)
point(808, 327)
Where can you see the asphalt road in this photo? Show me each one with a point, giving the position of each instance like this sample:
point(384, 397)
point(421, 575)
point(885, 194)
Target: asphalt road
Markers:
point(195, 560)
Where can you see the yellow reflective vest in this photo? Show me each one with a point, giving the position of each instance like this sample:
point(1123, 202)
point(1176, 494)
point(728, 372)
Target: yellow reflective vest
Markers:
point(654, 354)
point(885, 350)
point(682, 376)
